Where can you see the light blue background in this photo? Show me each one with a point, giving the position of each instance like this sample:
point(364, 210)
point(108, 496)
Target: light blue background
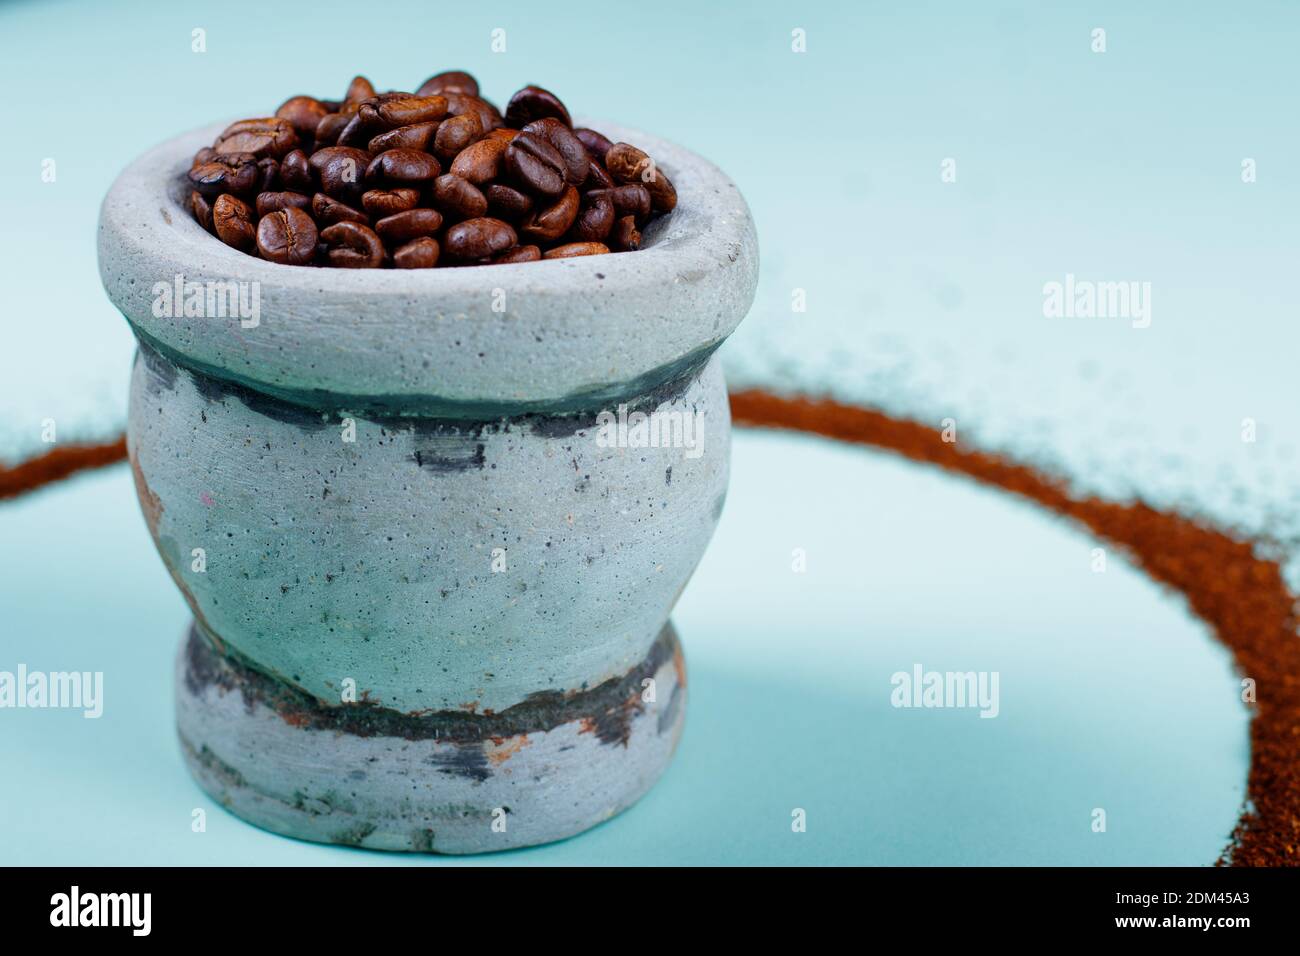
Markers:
point(923, 297)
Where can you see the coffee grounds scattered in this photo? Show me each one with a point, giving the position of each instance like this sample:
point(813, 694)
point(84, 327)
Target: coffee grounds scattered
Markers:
point(1228, 582)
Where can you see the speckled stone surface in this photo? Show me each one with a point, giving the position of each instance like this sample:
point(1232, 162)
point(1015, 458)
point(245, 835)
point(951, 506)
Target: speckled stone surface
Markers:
point(392, 496)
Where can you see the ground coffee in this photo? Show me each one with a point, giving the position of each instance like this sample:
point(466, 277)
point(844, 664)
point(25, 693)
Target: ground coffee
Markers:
point(437, 177)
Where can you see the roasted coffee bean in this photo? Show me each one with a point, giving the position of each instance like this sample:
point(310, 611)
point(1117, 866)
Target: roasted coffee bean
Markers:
point(384, 202)
point(458, 198)
point(411, 224)
point(569, 250)
point(268, 202)
point(597, 144)
point(304, 113)
point(407, 110)
point(455, 134)
point(364, 125)
point(458, 104)
point(261, 137)
point(450, 81)
point(419, 253)
point(206, 155)
point(329, 128)
point(630, 200)
point(478, 238)
point(237, 175)
point(554, 221)
point(351, 245)
point(507, 203)
point(340, 170)
point(268, 174)
point(480, 162)
point(287, 236)
point(503, 132)
point(416, 136)
point(328, 211)
point(233, 222)
point(295, 174)
point(535, 165)
point(594, 221)
point(627, 164)
point(533, 103)
point(598, 177)
point(625, 236)
point(403, 167)
point(202, 209)
point(575, 155)
point(359, 89)
point(518, 254)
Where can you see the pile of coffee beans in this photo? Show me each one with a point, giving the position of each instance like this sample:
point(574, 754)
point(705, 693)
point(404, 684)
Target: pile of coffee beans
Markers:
point(437, 177)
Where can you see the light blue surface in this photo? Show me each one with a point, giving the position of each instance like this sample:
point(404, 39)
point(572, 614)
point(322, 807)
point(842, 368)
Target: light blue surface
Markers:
point(923, 297)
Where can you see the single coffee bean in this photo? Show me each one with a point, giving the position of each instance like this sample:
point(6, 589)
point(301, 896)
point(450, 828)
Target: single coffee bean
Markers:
point(384, 202)
point(597, 144)
point(630, 200)
point(451, 81)
point(598, 177)
point(458, 104)
point(233, 222)
point(237, 175)
point(295, 174)
point(576, 158)
point(455, 134)
point(625, 235)
point(415, 136)
point(269, 202)
point(340, 170)
point(287, 236)
point(479, 162)
point(569, 250)
point(201, 209)
point(206, 155)
point(535, 165)
point(508, 203)
point(268, 174)
point(351, 245)
point(595, 221)
point(327, 211)
point(330, 127)
point(403, 226)
point(403, 167)
point(479, 238)
point(359, 89)
point(458, 198)
point(532, 103)
point(518, 254)
point(419, 253)
point(261, 137)
point(554, 221)
point(304, 113)
point(627, 164)
point(407, 110)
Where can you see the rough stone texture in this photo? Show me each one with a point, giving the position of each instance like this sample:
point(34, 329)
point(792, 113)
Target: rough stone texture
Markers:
point(373, 560)
point(572, 331)
point(383, 791)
